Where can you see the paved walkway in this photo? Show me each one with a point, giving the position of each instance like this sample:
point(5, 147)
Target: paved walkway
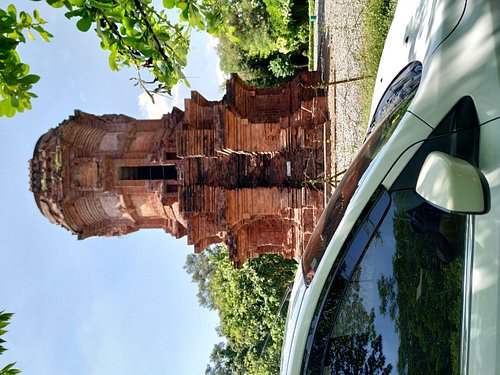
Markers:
point(338, 51)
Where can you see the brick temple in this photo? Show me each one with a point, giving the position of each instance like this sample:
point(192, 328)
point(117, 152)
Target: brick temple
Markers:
point(236, 170)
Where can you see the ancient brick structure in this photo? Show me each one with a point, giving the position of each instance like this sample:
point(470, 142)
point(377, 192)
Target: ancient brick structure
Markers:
point(233, 171)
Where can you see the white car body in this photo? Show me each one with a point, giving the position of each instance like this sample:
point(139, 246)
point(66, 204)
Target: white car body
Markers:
point(458, 44)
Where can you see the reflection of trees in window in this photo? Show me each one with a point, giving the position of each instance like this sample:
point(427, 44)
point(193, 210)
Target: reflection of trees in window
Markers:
point(319, 353)
point(387, 291)
point(352, 345)
point(411, 326)
point(324, 325)
point(423, 295)
point(355, 347)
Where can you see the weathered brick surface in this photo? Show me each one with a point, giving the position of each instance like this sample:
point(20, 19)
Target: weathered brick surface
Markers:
point(234, 170)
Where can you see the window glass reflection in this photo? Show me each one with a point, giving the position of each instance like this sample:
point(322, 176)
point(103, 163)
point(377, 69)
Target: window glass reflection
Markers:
point(399, 310)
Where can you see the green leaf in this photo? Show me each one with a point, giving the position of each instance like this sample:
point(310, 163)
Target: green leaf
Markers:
point(148, 52)
point(199, 21)
point(56, 3)
point(7, 43)
point(103, 34)
point(25, 19)
point(112, 60)
point(184, 16)
point(14, 101)
point(30, 79)
point(163, 37)
point(129, 23)
point(43, 33)
point(5, 316)
point(101, 5)
point(84, 24)
point(77, 3)
point(74, 13)
point(132, 42)
point(12, 10)
point(169, 4)
point(36, 14)
point(31, 36)
point(9, 370)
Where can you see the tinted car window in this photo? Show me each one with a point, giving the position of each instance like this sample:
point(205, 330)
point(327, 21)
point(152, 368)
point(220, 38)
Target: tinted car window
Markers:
point(388, 115)
point(403, 86)
point(397, 310)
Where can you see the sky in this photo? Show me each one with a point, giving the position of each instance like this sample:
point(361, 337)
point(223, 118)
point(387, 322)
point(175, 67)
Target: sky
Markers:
point(99, 306)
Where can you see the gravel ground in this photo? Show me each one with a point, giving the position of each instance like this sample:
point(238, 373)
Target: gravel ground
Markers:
point(338, 49)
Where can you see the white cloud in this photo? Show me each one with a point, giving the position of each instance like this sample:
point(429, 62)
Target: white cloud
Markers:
point(211, 49)
point(161, 105)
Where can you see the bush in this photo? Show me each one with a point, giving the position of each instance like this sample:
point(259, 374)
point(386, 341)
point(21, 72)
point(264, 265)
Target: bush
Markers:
point(262, 39)
point(281, 66)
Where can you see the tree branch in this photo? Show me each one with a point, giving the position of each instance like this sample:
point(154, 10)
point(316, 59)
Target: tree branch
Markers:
point(153, 35)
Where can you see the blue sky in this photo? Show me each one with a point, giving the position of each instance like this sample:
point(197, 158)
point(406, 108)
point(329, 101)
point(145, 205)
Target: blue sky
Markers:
point(103, 305)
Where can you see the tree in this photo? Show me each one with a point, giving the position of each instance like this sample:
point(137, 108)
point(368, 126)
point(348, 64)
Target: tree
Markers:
point(4, 322)
point(264, 41)
point(138, 35)
point(16, 81)
point(249, 302)
point(222, 360)
point(133, 31)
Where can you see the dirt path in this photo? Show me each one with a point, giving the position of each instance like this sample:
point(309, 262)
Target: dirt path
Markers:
point(338, 48)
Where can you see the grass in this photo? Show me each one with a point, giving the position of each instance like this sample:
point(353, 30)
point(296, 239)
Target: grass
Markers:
point(310, 51)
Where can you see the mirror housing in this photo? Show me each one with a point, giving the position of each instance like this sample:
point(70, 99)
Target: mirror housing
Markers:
point(453, 184)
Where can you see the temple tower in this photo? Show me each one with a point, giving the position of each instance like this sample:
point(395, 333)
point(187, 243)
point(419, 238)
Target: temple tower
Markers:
point(232, 171)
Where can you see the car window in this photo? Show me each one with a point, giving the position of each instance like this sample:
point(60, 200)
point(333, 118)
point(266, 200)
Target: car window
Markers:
point(389, 113)
point(393, 306)
point(402, 87)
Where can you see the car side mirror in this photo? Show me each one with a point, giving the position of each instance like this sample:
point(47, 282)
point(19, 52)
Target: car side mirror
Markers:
point(453, 184)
